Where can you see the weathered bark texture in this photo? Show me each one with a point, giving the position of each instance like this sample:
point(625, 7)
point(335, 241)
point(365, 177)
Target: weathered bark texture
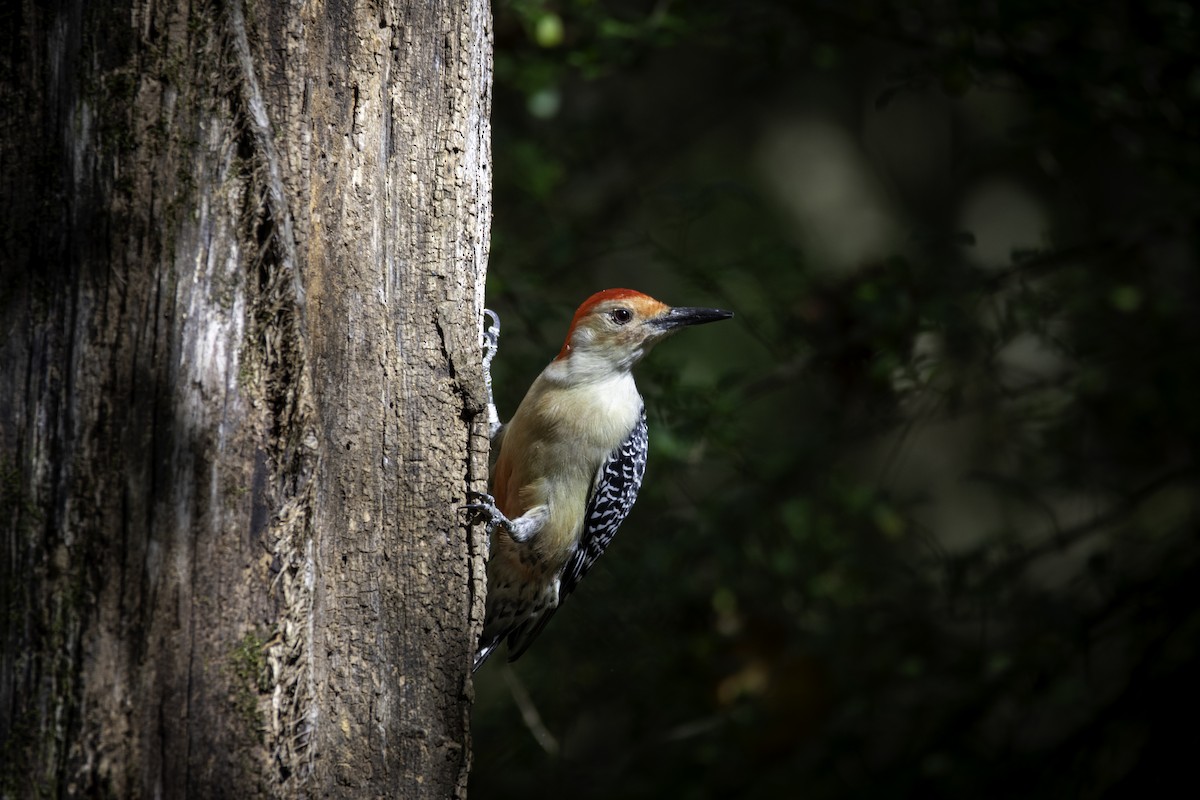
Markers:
point(241, 279)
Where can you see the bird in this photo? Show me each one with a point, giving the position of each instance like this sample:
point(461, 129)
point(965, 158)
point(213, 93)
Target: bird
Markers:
point(569, 463)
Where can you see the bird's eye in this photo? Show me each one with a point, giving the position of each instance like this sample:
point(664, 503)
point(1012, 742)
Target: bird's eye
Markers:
point(621, 315)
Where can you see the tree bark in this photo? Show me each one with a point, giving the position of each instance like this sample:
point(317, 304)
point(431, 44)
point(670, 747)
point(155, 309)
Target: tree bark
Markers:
point(240, 289)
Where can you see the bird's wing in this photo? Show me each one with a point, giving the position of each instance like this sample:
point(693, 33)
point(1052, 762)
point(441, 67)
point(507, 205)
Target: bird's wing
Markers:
point(613, 492)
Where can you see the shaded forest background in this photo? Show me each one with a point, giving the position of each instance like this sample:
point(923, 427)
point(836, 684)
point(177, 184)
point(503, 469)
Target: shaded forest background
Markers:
point(922, 521)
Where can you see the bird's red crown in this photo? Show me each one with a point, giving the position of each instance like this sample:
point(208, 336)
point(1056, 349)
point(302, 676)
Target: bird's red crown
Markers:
point(586, 307)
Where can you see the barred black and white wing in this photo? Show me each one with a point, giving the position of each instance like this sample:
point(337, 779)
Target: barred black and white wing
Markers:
point(613, 492)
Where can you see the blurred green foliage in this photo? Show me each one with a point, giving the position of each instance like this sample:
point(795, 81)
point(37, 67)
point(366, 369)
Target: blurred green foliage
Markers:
point(921, 521)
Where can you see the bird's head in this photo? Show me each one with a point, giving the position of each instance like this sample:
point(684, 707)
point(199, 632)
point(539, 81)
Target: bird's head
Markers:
point(614, 328)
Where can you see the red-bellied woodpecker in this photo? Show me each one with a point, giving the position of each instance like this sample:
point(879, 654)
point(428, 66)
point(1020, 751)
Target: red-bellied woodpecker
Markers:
point(569, 462)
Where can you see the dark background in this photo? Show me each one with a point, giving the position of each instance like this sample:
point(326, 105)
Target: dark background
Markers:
point(921, 521)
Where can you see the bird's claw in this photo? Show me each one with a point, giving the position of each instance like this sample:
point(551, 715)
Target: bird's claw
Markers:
point(484, 510)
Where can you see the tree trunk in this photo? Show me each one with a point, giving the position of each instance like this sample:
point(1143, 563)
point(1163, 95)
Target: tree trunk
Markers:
point(240, 291)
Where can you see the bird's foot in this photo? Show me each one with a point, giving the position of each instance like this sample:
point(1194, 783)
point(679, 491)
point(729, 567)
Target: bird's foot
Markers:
point(484, 510)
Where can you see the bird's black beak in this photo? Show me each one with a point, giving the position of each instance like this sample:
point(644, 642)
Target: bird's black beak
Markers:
point(679, 317)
